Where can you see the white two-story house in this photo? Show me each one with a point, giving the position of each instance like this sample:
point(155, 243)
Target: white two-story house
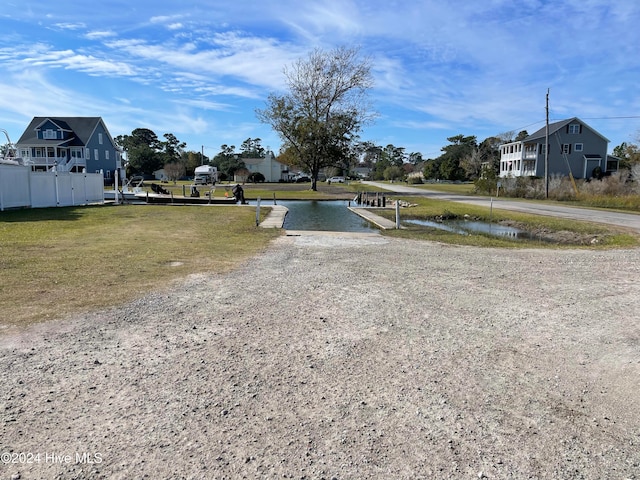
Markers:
point(70, 144)
point(574, 148)
point(272, 169)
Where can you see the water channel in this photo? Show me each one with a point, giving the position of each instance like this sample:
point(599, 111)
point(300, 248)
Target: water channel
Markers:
point(466, 227)
point(334, 216)
point(326, 215)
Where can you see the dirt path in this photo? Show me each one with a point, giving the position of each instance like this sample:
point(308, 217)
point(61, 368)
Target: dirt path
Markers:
point(344, 357)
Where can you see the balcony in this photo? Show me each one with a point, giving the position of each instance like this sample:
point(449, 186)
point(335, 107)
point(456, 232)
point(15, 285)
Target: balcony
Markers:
point(62, 164)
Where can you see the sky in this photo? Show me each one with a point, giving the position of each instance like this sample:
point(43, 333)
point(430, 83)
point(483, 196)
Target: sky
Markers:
point(201, 69)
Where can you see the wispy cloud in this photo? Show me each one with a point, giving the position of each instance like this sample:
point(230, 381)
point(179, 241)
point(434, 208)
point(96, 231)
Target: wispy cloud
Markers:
point(100, 34)
point(440, 67)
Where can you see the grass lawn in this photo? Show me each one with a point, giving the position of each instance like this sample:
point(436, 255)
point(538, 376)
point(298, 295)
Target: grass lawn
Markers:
point(282, 191)
point(568, 233)
point(60, 260)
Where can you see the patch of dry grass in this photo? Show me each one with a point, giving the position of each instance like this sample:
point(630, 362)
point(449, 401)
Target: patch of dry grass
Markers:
point(60, 260)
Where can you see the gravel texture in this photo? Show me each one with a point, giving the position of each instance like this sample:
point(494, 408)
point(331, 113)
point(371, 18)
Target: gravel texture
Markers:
point(342, 356)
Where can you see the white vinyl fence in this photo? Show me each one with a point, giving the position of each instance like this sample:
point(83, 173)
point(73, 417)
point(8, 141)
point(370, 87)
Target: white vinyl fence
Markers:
point(22, 188)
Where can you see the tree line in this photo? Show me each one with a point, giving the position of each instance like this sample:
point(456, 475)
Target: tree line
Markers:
point(319, 119)
point(146, 153)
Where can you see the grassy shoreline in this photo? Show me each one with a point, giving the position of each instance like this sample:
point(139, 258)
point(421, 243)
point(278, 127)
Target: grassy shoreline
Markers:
point(58, 261)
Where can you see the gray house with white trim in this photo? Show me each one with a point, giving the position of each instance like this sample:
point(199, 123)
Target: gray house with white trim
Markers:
point(574, 147)
point(70, 144)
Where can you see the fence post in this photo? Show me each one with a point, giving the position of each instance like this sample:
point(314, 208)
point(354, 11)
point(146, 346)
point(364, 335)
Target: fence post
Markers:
point(397, 214)
point(115, 193)
point(56, 186)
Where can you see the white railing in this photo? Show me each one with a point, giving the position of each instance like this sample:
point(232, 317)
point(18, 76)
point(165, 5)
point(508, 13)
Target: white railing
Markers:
point(62, 164)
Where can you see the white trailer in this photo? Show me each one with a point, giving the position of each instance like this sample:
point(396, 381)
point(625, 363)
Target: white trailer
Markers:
point(205, 174)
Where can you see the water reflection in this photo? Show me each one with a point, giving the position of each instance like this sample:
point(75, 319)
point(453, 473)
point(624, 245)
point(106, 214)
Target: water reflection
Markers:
point(332, 215)
point(466, 227)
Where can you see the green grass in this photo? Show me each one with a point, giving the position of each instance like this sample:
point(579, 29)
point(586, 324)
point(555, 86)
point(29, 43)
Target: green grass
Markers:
point(458, 188)
point(282, 191)
point(56, 261)
point(299, 191)
point(573, 233)
point(623, 203)
point(60, 260)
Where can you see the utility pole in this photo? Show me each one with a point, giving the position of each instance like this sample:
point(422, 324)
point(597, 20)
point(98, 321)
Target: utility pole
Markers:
point(546, 151)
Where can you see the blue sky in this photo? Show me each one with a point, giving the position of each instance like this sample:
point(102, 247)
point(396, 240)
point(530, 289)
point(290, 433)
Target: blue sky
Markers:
point(200, 69)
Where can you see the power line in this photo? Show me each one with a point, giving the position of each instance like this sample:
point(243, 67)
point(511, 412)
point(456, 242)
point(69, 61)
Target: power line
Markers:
point(611, 118)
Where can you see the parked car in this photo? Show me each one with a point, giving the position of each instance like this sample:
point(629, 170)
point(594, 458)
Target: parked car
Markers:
point(302, 179)
point(336, 180)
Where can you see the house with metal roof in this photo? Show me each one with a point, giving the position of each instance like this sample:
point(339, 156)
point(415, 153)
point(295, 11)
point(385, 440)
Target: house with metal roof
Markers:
point(573, 148)
point(70, 144)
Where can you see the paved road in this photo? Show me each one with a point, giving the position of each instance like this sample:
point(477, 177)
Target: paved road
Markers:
point(629, 220)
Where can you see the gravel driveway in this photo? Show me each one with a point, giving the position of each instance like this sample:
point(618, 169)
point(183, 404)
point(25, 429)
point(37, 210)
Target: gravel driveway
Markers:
point(342, 356)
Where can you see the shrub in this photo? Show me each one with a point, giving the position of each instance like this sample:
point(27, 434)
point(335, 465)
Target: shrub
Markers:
point(615, 185)
point(256, 177)
point(561, 188)
point(635, 176)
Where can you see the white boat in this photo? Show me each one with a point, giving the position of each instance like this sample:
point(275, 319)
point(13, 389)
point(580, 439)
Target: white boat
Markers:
point(8, 157)
point(130, 189)
point(10, 161)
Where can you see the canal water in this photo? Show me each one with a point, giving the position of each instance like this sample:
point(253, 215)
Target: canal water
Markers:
point(466, 227)
point(329, 215)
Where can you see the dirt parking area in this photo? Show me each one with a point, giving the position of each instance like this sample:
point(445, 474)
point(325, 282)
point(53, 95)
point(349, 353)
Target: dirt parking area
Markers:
point(342, 357)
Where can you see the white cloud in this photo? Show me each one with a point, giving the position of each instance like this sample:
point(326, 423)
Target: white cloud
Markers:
point(100, 34)
point(439, 66)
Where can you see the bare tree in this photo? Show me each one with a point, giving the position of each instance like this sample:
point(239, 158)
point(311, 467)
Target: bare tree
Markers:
point(174, 171)
point(506, 137)
point(326, 106)
point(472, 164)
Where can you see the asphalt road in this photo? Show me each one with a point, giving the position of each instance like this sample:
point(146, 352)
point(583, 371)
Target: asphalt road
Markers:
point(628, 220)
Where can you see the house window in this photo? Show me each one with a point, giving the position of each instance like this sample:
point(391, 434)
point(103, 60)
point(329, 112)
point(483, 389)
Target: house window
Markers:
point(106, 154)
point(96, 156)
point(574, 128)
point(76, 153)
point(88, 154)
point(100, 138)
point(25, 153)
point(566, 148)
point(578, 147)
point(543, 149)
point(49, 134)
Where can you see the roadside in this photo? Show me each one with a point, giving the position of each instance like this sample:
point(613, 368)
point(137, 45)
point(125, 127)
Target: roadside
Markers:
point(626, 220)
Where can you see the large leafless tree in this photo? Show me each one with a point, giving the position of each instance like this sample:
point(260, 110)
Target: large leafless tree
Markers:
point(326, 105)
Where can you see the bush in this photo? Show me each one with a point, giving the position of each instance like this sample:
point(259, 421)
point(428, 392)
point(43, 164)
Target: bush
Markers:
point(615, 185)
point(256, 177)
point(393, 173)
point(415, 180)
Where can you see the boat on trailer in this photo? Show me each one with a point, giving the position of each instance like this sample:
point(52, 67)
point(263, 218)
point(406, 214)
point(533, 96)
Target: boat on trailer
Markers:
point(133, 191)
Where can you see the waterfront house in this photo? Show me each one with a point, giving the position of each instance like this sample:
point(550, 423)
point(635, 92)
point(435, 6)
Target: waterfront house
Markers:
point(574, 147)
